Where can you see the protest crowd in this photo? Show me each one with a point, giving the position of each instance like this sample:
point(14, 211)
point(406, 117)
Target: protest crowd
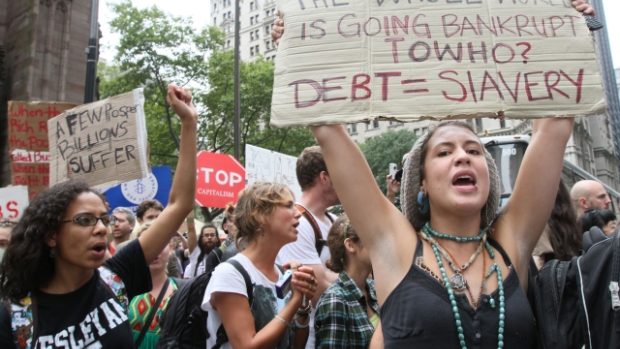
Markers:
point(432, 263)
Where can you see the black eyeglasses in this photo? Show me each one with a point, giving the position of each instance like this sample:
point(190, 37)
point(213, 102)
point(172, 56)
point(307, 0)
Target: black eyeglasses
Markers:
point(89, 220)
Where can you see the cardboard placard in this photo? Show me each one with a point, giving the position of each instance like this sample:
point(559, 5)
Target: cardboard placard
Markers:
point(103, 142)
point(270, 166)
point(357, 60)
point(28, 142)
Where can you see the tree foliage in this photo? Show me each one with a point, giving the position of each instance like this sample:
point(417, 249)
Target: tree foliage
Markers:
point(156, 49)
point(385, 148)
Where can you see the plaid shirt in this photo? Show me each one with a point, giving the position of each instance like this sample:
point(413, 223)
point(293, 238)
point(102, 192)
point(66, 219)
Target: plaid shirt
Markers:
point(341, 320)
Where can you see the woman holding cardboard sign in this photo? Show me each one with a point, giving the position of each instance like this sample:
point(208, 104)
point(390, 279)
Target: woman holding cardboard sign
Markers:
point(449, 272)
point(62, 292)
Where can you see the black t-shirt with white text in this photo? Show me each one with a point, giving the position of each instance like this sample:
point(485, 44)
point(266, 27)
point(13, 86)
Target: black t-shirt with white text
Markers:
point(91, 316)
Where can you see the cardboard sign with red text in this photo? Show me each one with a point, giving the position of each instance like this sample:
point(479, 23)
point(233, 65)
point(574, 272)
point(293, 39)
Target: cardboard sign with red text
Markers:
point(28, 142)
point(356, 60)
point(13, 202)
point(103, 142)
point(219, 179)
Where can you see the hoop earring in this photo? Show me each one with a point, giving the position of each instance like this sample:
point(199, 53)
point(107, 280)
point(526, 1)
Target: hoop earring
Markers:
point(423, 204)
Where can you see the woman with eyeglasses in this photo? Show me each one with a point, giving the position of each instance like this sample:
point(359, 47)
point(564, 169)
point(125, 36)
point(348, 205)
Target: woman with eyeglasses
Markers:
point(61, 291)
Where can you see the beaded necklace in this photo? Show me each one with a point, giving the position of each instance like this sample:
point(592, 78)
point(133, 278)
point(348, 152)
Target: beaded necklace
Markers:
point(493, 268)
point(459, 283)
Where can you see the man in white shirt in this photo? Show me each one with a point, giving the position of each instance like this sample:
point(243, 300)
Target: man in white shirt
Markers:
point(317, 195)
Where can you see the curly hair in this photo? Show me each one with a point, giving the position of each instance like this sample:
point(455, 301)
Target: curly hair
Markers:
point(310, 164)
point(27, 263)
point(254, 205)
point(145, 205)
point(340, 231)
point(413, 174)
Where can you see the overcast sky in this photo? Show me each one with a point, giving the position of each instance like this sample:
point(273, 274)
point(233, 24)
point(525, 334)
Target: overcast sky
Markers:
point(198, 10)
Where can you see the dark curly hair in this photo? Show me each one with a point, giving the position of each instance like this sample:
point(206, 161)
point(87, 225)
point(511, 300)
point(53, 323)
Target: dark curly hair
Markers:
point(27, 264)
point(145, 205)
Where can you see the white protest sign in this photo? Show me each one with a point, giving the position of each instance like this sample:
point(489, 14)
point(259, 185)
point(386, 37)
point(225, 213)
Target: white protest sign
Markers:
point(355, 60)
point(103, 143)
point(267, 165)
point(13, 202)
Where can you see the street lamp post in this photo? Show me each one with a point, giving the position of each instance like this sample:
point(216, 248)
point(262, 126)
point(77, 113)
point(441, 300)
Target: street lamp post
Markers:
point(237, 97)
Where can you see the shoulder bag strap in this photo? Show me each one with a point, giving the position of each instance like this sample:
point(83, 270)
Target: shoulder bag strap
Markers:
point(319, 242)
point(152, 313)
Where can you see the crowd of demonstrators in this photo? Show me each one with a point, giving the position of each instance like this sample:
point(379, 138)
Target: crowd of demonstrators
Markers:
point(62, 290)
point(347, 313)
point(317, 195)
point(561, 238)
point(199, 249)
point(266, 219)
point(124, 223)
point(588, 194)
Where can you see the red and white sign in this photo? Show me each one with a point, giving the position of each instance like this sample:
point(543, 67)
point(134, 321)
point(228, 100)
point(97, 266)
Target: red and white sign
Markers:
point(219, 179)
point(13, 202)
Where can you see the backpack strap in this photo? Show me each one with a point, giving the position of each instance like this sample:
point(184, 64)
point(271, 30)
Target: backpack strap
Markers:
point(221, 336)
point(319, 242)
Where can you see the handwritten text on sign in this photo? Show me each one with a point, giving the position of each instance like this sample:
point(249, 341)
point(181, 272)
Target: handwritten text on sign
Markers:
point(13, 202)
point(101, 142)
point(28, 142)
point(353, 60)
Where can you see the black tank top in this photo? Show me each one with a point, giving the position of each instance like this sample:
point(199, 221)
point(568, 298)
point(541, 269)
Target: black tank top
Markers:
point(417, 314)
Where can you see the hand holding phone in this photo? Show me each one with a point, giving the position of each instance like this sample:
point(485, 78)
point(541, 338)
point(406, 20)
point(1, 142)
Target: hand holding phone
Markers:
point(283, 285)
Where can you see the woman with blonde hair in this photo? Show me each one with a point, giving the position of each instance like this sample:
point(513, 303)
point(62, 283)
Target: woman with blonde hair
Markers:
point(266, 219)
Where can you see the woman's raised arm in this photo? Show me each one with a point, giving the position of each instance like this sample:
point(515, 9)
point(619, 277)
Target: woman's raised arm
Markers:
point(181, 200)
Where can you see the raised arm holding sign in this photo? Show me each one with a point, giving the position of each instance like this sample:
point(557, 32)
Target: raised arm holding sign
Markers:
point(449, 271)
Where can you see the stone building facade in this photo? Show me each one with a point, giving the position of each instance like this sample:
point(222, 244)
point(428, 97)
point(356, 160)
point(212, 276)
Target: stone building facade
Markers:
point(42, 56)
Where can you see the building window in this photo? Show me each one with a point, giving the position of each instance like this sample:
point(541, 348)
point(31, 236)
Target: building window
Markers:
point(252, 51)
point(252, 36)
point(352, 129)
point(252, 6)
point(372, 125)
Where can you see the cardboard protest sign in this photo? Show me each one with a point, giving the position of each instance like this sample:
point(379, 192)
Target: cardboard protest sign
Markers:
point(270, 166)
point(28, 142)
point(355, 60)
point(13, 202)
point(103, 143)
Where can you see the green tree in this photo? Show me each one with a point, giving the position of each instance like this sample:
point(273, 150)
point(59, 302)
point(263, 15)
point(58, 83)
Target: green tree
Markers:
point(385, 148)
point(156, 49)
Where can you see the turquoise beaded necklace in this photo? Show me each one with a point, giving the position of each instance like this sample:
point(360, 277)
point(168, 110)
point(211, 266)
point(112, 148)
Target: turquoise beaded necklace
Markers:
point(493, 268)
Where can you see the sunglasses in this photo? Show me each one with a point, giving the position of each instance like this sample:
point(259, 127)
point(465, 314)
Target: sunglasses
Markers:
point(89, 220)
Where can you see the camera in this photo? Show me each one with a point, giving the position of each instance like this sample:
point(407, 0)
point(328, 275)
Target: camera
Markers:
point(283, 285)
